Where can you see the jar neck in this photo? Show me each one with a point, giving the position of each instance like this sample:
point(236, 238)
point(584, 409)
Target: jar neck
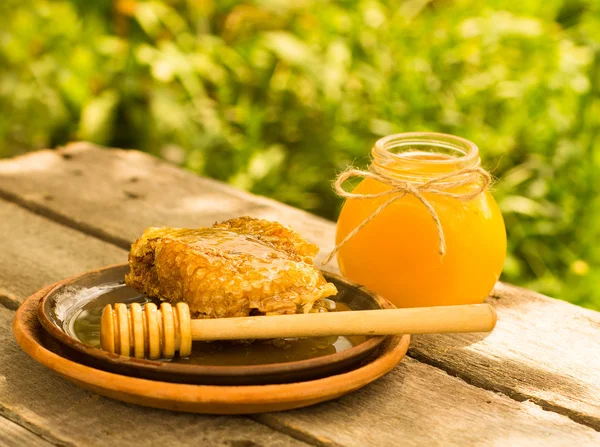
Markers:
point(423, 156)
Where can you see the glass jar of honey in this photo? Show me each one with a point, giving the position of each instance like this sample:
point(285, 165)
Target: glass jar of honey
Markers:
point(420, 228)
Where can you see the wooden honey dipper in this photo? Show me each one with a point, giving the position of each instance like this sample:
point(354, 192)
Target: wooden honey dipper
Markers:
point(158, 333)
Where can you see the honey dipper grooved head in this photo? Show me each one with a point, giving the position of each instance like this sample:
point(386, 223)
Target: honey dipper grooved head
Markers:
point(146, 332)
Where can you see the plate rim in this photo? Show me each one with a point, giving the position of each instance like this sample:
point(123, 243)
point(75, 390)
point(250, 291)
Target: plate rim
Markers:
point(196, 370)
point(207, 399)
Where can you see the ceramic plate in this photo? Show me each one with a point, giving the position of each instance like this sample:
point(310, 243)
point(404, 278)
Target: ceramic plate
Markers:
point(71, 310)
point(68, 362)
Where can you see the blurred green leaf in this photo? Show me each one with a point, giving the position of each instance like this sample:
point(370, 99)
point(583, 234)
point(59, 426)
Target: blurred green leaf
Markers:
point(97, 118)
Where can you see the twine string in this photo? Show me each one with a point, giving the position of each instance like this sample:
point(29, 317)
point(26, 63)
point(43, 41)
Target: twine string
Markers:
point(441, 185)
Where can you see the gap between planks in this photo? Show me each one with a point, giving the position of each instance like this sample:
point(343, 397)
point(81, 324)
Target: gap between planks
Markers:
point(82, 227)
point(64, 220)
point(579, 418)
point(293, 431)
point(44, 437)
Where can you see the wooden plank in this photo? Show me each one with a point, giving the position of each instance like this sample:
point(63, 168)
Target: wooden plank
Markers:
point(526, 321)
point(543, 350)
point(13, 435)
point(59, 252)
point(51, 407)
point(39, 252)
point(115, 194)
point(417, 404)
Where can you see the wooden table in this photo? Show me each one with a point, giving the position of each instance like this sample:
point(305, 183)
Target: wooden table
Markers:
point(534, 381)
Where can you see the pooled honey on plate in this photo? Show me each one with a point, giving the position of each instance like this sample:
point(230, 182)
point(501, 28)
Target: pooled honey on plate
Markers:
point(85, 325)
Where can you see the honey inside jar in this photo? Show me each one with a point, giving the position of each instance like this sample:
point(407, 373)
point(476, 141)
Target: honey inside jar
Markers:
point(397, 252)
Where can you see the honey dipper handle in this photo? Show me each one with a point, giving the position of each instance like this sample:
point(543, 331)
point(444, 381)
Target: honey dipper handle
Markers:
point(423, 320)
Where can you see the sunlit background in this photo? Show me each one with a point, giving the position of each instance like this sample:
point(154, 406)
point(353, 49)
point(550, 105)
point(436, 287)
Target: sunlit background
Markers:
point(278, 96)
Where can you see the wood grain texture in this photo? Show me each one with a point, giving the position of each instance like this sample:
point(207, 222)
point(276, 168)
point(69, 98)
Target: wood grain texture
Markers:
point(37, 251)
point(46, 404)
point(13, 435)
point(543, 350)
point(536, 351)
point(114, 194)
point(418, 405)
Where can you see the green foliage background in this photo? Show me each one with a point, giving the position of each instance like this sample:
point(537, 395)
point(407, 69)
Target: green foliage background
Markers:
point(276, 96)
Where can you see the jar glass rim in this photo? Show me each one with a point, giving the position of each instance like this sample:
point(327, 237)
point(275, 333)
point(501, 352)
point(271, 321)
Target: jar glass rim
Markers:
point(397, 148)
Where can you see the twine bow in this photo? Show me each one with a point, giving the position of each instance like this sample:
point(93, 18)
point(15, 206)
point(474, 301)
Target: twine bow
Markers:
point(441, 186)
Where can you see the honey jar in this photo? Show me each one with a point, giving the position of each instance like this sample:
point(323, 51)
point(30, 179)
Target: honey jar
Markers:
point(421, 228)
